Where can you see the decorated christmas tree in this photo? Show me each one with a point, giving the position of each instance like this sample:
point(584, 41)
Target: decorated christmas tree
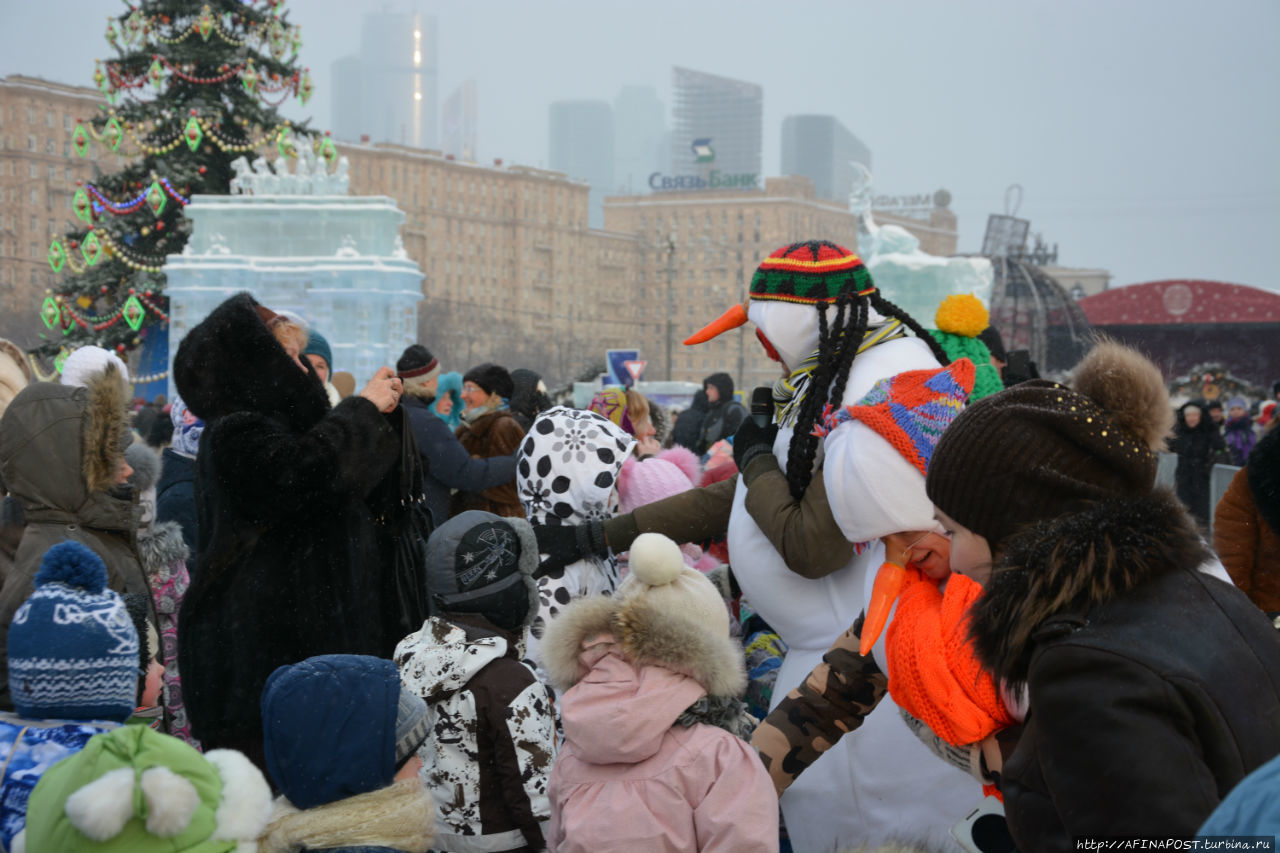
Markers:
point(192, 87)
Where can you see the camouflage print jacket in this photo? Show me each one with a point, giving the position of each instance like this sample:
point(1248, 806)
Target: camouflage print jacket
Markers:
point(833, 701)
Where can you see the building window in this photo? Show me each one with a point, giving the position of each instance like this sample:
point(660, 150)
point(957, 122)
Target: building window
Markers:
point(48, 118)
point(66, 122)
point(33, 171)
point(31, 142)
point(35, 195)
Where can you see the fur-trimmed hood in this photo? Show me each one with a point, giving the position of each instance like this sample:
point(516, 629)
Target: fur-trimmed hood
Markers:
point(231, 362)
point(60, 450)
point(646, 636)
point(400, 817)
point(160, 546)
point(1069, 565)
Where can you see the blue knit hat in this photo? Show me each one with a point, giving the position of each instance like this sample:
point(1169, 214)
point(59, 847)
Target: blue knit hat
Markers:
point(317, 345)
point(73, 650)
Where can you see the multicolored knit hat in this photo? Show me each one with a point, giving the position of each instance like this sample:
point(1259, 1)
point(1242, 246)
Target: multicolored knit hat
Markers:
point(810, 272)
point(879, 491)
point(612, 403)
point(73, 650)
point(910, 410)
point(960, 319)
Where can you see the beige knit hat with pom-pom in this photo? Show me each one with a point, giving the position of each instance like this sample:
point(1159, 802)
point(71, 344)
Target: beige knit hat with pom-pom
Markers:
point(659, 576)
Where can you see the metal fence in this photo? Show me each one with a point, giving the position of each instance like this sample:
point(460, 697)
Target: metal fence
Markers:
point(1219, 479)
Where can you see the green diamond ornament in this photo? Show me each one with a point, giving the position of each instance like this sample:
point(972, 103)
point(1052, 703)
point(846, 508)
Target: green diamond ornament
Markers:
point(328, 151)
point(80, 140)
point(249, 78)
point(305, 88)
point(60, 360)
point(204, 24)
point(82, 207)
point(156, 199)
point(297, 41)
point(193, 133)
point(111, 32)
point(133, 26)
point(113, 133)
point(99, 78)
point(57, 255)
point(66, 323)
point(156, 72)
point(133, 313)
point(49, 312)
point(91, 248)
point(284, 144)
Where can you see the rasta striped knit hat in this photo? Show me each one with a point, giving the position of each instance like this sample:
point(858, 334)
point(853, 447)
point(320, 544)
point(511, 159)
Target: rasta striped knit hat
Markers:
point(810, 272)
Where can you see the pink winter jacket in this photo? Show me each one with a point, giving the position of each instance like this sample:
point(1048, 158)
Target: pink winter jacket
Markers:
point(629, 779)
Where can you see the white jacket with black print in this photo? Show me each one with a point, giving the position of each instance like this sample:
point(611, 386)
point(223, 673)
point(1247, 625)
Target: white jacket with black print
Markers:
point(492, 742)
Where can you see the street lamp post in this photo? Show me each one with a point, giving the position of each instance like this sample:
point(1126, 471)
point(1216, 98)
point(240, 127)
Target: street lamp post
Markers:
point(671, 273)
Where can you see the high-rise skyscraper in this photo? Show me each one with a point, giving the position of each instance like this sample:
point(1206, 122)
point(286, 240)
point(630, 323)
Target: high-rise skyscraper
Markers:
point(458, 123)
point(388, 90)
point(581, 146)
point(640, 139)
point(718, 122)
point(821, 149)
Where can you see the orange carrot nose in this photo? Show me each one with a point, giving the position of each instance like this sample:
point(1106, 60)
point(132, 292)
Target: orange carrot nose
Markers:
point(731, 319)
point(884, 592)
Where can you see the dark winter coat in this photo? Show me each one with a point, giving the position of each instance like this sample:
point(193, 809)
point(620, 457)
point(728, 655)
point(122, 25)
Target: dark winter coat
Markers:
point(1198, 451)
point(688, 426)
point(724, 416)
point(1153, 687)
point(493, 434)
point(290, 556)
point(448, 464)
point(60, 447)
point(1246, 526)
point(176, 497)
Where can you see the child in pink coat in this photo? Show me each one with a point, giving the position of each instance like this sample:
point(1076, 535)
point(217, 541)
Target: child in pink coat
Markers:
point(653, 757)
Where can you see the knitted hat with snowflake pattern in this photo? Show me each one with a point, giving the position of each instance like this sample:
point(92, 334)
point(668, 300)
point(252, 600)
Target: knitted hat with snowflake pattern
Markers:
point(73, 650)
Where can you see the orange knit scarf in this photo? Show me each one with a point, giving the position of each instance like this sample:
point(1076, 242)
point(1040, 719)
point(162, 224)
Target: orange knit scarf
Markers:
point(933, 674)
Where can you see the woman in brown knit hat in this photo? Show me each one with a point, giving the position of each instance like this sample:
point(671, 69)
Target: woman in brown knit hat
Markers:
point(1153, 687)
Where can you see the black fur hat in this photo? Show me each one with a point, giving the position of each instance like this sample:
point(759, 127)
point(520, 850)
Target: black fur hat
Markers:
point(1264, 478)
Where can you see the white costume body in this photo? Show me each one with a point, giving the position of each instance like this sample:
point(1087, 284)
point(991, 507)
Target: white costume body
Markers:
point(879, 783)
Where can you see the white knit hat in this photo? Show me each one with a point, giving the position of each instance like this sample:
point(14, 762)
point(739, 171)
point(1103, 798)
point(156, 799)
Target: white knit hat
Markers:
point(659, 576)
point(82, 364)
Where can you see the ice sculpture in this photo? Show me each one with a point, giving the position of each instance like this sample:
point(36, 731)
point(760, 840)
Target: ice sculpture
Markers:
point(307, 247)
point(911, 279)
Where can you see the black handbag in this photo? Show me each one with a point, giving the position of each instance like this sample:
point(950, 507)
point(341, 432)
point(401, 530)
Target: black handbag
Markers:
point(405, 604)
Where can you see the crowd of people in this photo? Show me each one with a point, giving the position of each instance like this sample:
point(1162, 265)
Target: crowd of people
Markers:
point(446, 612)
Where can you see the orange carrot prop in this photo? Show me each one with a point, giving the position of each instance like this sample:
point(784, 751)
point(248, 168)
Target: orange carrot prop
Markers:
point(731, 319)
point(884, 592)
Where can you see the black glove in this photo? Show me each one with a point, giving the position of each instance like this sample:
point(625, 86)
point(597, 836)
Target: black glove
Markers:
point(564, 544)
point(752, 440)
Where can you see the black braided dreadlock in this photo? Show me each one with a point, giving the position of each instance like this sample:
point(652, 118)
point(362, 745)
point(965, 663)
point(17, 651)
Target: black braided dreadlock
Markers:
point(837, 346)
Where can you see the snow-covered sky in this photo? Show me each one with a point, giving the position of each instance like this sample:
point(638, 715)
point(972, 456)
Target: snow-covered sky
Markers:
point(1144, 132)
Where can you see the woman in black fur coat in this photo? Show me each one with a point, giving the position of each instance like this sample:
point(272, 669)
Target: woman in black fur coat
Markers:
point(287, 492)
point(1199, 446)
point(1153, 687)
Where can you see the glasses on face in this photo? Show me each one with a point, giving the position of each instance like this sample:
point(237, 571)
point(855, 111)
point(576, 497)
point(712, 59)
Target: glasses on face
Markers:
point(471, 388)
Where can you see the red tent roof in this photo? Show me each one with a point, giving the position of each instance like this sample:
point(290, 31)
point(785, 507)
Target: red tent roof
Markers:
point(1181, 301)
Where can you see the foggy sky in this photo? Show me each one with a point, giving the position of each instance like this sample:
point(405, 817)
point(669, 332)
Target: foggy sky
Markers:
point(1144, 133)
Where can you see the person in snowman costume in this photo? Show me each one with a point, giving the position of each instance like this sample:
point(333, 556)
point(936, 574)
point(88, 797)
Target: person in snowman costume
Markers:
point(818, 313)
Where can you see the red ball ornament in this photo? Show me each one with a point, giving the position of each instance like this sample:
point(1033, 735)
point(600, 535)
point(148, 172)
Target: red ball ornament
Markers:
point(203, 170)
point(146, 293)
point(120, 348)
point(105, 289)
point(193, 112)
point(159, 227)
point(132, 291)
